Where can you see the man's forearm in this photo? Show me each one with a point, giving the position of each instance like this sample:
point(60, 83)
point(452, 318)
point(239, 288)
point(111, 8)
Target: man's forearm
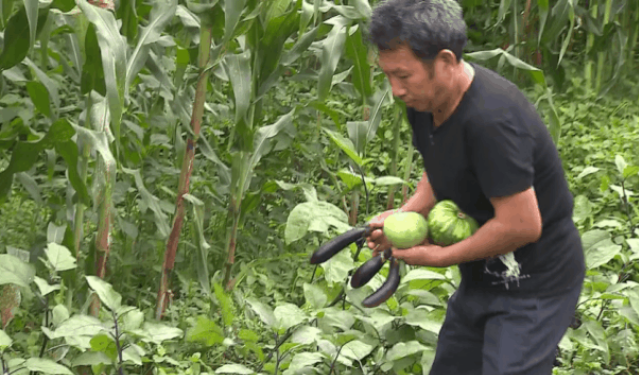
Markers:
point(492, 239)
point(423, 200)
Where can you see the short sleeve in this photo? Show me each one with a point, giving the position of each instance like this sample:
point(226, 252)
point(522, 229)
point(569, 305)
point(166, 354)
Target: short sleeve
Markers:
point(502, 156)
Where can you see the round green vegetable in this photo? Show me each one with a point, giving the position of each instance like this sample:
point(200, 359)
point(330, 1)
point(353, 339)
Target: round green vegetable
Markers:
point(448, 224)
point(405, 229)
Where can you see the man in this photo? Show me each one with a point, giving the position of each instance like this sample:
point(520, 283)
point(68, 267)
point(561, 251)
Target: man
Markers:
point(485, 147)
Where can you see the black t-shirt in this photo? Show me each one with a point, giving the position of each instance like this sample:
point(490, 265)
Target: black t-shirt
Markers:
point(495, 144)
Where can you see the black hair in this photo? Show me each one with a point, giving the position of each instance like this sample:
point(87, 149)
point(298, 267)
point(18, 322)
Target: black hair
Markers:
point(425, 26)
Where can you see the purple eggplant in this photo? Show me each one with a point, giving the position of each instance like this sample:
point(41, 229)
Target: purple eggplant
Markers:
point(387, 289)
point(334, 246)
point(367, 271)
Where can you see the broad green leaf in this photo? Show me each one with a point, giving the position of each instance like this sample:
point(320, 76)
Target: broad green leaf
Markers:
point(278, 30)
point(350, 179)
point(40, 97)
point(404, 349)
point(275, 8)
point(315, 296)
point(31, 7)
point(356, 350)
point(161, 14)
point(47, 366)
point(104, 343)
point(15, 271)
point(60, 257)
point(232, 13)
point(302, 44)
point(304, 360)
point(206, 332)
point(346, 145)
point(127, 12)
point(166, 85)
point(332, 48)
point(152, 202)
point(132, 320)
point(389, 180)
point(263, 311)
point(597, 332)
point(238, 69)
point(262, 143)
point(363, 7)
point(599, 248)
point(201, 258)
point(376, 112)
point(52, 86)
point(157, 333)
point(583, 209)
point(357, 52)
point(587, 171)
point(30, 185)
point(484, 55)
point(105, 292)
point(543, 7)
point(76, 326)
point(69, 152)
point(17, 35)
point(234, 368)
point(357, 134)
point(113, 52)
point(568, 37)
point(25, 154)
point(44, 286)
point(133, 353)
point(5, 340)
point(633, 243)
point(306, 335)
point(422, 319)
point(621, 164)
point(288, 315)
point(226, 305)
point(630, 170)
point(92, 70)
point(336, 269)
point(314, 216)
point(90, 358)
point(421, 274)
point(536, 74)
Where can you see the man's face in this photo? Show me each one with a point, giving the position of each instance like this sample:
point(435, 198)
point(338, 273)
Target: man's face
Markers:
point(418, 85)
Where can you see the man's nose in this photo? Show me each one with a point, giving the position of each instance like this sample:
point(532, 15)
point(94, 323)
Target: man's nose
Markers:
point(398, 89)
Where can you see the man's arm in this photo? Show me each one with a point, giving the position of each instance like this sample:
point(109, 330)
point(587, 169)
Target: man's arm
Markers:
point(517, 222)
point(423, 200)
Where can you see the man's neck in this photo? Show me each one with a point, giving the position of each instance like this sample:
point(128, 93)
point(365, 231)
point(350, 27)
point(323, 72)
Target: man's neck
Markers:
point(460, 86)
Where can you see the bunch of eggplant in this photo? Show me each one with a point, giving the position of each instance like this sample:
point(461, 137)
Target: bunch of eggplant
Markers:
point(367, 270)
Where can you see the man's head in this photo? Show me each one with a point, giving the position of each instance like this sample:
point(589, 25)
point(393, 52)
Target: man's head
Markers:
point(420, 46)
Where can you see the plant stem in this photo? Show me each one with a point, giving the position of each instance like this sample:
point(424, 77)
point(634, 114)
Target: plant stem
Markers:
point(117, 345)
point(187, 168)
point(602, 55)
point(393, 170)
point(590, 42)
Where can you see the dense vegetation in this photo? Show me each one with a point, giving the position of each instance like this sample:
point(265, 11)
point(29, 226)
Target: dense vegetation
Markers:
point(167, 167)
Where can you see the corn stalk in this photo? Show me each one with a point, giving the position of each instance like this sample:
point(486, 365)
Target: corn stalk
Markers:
point(602, 55)
point(187, 168)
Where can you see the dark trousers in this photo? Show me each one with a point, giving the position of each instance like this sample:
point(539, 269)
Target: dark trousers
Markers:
point(486, 334)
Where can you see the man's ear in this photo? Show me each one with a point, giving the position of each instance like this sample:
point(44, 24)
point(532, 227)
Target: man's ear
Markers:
point(447, 57)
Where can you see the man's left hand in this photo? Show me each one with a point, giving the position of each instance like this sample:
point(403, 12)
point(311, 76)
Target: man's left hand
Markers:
point(425, 254)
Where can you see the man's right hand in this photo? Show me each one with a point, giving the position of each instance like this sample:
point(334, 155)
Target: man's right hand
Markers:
point(376, 240)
